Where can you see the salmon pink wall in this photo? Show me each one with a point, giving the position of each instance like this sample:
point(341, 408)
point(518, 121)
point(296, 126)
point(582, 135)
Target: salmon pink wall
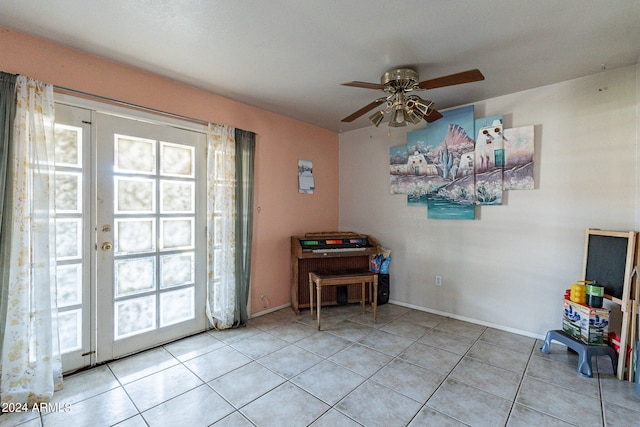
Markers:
point(280, 211)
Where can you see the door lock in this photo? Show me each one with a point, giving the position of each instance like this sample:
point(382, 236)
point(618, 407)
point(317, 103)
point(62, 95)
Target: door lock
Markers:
point(107, 246)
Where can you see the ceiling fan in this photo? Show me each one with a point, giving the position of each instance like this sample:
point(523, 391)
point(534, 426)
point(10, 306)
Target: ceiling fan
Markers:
point(403, 106)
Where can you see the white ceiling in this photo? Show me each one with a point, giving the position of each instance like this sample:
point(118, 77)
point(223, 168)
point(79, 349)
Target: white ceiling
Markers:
point(290, 56)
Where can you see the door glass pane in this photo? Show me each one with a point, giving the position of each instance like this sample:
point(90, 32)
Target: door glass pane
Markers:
point(134, 276)
point(68, 192)
point(69, 284)
point(135, 235)
point(176, 306)
point(217, 224)
point(68, 145)
point(176, 270)
point(134, 155)
point(177, 160)
point(69, 174)
point(134, 316)
point(177, 233)
point(70, 327)
point(135, 195)
point(68, 238)
point(154, 234)
point(177, 197)
point(217, 261)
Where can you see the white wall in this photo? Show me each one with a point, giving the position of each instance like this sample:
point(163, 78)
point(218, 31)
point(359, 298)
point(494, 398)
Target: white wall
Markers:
point(509, 267)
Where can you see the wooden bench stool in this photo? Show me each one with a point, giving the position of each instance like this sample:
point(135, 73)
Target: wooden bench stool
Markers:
point(361, 277)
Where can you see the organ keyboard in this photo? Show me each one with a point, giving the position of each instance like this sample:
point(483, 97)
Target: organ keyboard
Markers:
point(328, 252)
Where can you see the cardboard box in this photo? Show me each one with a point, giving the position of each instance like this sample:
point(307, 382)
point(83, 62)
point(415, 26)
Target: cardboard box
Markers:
point(587, 324)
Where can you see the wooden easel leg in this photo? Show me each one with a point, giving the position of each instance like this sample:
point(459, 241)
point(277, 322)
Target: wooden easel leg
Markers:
point(624, 335)
point(375, 298)
point(635, 320)
point(319, 302)
point(311, 295)
point(633, 337)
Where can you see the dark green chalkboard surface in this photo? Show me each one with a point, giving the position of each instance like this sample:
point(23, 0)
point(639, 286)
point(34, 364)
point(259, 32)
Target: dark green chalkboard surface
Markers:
point(608, 261)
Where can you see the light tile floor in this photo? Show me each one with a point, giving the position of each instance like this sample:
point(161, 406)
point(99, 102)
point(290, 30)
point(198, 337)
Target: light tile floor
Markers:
point(410, 368)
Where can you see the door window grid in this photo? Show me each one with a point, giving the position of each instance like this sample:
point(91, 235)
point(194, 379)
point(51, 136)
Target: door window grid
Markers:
point(68, 178)
point(169, 297)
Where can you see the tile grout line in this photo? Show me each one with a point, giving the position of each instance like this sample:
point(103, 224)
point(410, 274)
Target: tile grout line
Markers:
point(524, 373)
point(531, 357)
point(417, 340)
point(351, 344)
point(360, 341)
point(449, 373)
point(602, 411)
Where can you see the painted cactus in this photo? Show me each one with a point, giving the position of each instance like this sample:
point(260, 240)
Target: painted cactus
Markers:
point(446, 159)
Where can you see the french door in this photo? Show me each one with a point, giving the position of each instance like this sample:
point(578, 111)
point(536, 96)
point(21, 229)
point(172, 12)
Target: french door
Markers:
point(73, 236)
point(145, 220)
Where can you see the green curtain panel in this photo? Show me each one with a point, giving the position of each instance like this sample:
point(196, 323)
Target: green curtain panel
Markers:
point(7, 115)
point(245, 154)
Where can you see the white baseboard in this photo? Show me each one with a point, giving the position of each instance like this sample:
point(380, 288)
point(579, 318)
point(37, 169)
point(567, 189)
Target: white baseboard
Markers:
point(271, 310)
point(429, 310)
point(470, 320)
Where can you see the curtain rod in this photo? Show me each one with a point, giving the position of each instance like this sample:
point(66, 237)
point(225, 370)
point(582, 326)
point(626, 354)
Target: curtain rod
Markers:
point(129, 105)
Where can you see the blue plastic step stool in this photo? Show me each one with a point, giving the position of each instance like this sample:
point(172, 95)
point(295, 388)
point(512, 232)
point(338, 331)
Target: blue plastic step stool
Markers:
point(585, 351)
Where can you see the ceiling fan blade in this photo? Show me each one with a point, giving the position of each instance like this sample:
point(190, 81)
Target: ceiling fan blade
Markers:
point(364, 85)
point(363, 110)
point(452, 79)
point(432, 116)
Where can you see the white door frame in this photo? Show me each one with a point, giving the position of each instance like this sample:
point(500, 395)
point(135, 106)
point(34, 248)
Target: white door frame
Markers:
point(100, 352)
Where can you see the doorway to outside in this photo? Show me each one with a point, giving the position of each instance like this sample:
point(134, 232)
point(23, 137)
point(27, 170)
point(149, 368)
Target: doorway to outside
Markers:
point(130, 239)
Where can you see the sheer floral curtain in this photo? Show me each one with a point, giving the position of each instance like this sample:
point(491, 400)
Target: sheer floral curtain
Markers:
point(221, 215)
point(31, 364)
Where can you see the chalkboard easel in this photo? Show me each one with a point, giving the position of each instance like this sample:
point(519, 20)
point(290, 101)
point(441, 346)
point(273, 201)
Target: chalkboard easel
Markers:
point(609, 260)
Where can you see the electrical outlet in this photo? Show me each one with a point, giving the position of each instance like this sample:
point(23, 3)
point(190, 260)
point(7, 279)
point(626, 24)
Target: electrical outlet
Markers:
point(438, 281)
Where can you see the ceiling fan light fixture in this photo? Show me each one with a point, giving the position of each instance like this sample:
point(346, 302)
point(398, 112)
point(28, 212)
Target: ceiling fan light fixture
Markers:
point(398, 118)
point(400, 78)
point(377, 117)
point(420, 105)
point(412, 117)
point(403, 106)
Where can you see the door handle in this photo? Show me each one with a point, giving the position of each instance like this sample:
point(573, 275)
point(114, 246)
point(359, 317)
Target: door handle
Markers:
point(107, 246)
